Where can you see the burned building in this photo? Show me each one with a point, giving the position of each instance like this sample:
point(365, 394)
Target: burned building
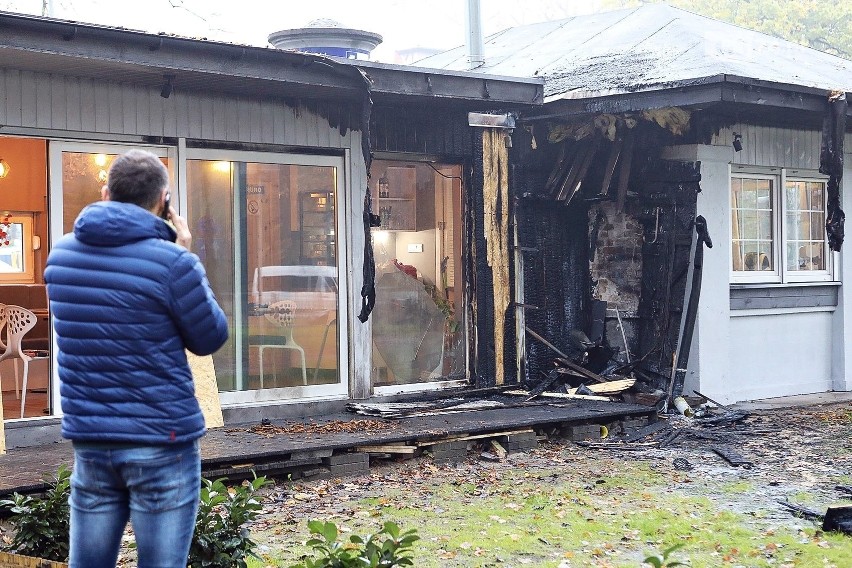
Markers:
point(664, 133)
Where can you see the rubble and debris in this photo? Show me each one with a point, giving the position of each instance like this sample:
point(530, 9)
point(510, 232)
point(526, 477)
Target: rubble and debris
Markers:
point(393, 410)
point(733, 457)
point(838, 519)
point(802, 512)
point(835, 519)
point(269, 430)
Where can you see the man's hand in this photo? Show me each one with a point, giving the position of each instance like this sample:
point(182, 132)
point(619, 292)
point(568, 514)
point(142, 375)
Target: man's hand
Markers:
point(184, 237)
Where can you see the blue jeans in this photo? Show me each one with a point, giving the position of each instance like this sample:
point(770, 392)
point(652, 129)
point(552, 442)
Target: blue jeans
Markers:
point(157, 487)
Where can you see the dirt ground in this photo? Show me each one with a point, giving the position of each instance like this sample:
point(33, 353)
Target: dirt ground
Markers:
point(726, 515)
point(607, 504)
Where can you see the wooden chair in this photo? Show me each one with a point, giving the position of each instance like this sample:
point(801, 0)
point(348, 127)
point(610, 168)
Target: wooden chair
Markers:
point(18, 321)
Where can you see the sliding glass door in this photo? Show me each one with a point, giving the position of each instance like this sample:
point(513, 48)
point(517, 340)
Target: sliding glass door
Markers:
point(78, 171)
point(267, 227)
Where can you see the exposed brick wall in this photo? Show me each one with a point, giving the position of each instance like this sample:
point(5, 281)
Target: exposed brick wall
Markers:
point(615, 265)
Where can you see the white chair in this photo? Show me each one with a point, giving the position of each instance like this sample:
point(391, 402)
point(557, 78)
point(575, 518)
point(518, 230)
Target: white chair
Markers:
point(18, 321)
point(326, 276)
point(283, 315)
point(320, 298)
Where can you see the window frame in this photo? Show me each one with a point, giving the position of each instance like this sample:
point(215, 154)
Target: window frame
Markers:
point(27, 276)
point(781, 274)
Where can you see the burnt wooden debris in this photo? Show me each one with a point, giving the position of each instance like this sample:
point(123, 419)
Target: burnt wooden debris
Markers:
point(835, 519)
point(831, 164)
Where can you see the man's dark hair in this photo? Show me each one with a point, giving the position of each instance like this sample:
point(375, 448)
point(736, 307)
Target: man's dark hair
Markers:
point(137, 177)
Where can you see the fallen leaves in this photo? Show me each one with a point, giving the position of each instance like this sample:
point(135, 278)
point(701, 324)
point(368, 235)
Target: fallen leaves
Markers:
point(269, 430)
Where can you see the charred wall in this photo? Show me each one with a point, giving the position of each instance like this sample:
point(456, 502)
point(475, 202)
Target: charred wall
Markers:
point(605, 230)
point(668, 196)
point(429, 132)
point(553, 240)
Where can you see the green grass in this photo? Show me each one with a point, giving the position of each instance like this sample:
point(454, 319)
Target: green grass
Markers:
point(738, 487)
point(553, 518)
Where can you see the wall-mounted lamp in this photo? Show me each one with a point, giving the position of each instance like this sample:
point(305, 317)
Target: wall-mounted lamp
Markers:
point(738, 142)
point(4, 168)
point(168, 85)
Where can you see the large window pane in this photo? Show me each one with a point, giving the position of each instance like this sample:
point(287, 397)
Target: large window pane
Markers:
point(83, 176)
point(211, 221)
point(752, 234)
point(805, 235)
point(274, 273)
point(418, 331)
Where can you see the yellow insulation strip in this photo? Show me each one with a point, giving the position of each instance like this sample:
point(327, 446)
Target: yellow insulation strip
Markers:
point(495, 189)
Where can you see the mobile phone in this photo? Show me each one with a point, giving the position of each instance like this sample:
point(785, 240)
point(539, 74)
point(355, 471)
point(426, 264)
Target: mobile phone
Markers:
point(167, 206)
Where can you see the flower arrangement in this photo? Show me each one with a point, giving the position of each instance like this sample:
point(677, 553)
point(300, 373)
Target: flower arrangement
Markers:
point(5, 225)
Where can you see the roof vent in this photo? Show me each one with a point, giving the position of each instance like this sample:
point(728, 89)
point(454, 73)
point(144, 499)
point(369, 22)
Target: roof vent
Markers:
point(327, 37)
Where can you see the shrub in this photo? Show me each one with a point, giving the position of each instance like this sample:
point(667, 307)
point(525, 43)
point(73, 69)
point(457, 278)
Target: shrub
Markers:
point(42, 523)
point(384, 549)
point(220, 539)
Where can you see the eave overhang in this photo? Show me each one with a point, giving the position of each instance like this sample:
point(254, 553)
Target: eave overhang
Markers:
point(747, 93)
point(31, 43)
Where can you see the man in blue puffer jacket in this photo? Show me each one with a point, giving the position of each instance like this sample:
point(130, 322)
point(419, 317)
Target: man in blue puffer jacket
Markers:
point(127, 297)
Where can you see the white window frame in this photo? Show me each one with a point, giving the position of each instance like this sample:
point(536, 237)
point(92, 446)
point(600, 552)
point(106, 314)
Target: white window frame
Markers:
point(780, 275)
point(27, 276)
point(300, 393)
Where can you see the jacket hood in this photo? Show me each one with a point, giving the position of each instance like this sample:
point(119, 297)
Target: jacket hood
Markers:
point(113, 224)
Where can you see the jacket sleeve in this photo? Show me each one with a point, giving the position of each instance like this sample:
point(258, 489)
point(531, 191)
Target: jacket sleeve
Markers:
point(200, 320)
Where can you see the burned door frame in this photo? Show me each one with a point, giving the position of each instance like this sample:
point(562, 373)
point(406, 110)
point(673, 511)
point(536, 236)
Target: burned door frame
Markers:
point(401, 134)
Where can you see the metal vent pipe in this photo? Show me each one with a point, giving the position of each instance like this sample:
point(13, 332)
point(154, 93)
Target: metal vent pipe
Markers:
point(475, 55)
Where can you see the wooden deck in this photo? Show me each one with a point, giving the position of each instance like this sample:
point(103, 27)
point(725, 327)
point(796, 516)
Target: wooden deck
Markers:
point(300, 449)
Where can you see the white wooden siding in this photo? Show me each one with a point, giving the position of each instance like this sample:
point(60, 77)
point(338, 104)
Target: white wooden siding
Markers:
point(771, 146)
point(85, 107)
point(78, 104)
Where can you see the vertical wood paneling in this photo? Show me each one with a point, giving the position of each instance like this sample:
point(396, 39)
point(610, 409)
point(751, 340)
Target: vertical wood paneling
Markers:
point(156, 108)
point(773, 146)
point(129, 104)
point(43, 106)
point(73, 104)
point(28, 98)
point(254, 121)
point(14, 97)
point(193, 123)
point(183, 104)
point(279, 112)
point(114, 109)
point(220, 122)
point(267, 113)
point(170, 116)
point(232, 122)
point(207, 117)
point(88, 105)
point(243, 129)
point(4, 100)
point(143, 108)
point(59, 104)
point(290, 120)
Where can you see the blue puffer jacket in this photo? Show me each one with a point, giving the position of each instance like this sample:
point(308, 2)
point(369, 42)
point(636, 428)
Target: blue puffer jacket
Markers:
point(125, 301)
